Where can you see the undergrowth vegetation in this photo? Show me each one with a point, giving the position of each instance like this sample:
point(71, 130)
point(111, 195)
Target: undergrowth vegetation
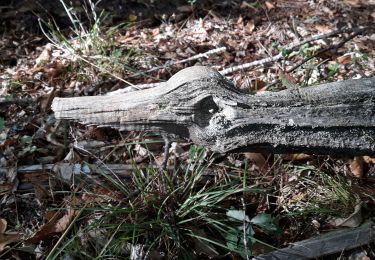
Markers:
point(186, 213)
point(90, 49)
point(195, 210)
point(201, 206)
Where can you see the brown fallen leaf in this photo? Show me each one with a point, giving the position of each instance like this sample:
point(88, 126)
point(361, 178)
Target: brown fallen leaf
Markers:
point(57, 224)
point(46, 100)
point(185, 8)
point(269, 5)
point(44, 56)
point(3, 225)
point(132, 18)
point(356, 166)
point(250, 26)
point(323, 28)
point(345, 59)
point(368, 159)
point(353, 3)
point(6, 239)
point(41, 193)
point(256, 85)
point(258, 160)
point(296, 157)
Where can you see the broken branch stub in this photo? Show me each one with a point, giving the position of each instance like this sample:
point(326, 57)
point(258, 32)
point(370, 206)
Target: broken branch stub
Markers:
point(200, 104)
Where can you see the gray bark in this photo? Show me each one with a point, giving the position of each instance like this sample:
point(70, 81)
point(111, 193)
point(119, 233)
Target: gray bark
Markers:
point(333, 242)
point(200, 104)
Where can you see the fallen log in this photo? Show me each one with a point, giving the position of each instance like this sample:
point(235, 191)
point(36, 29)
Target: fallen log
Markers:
point(200, 104)
point(330, 243)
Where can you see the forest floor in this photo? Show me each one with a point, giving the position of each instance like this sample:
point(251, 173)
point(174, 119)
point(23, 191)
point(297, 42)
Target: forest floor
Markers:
point(73, 191)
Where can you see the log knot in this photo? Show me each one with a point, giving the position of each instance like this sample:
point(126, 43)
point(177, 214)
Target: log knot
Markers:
point(193, 73)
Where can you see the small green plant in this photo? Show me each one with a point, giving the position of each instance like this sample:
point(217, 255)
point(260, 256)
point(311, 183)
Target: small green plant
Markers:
point(254, 5)
point(14, 85)
point(333, 69)
point(242, 238)
point(28, 147)
point(307, 51)
point(358, 56)
point(312, 191)
point(273, 45)
point(192, 2)
point(182, 215)
point(92, 46)
point(283, 51)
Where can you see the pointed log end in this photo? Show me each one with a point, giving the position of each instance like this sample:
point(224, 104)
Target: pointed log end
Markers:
point(56, 106)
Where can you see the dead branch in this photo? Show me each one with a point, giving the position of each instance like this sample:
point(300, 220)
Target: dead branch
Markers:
point(169, 64)
point(289, 49)
point(29, 175)
point(319, 52)
point(200, 104)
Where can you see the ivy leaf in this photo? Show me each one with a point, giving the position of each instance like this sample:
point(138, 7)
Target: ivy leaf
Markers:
point(238, 215)
point(266, 223)
point(26, 140)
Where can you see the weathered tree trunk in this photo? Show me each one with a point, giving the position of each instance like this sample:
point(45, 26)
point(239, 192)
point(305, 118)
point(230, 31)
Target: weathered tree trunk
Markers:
point(200, 104)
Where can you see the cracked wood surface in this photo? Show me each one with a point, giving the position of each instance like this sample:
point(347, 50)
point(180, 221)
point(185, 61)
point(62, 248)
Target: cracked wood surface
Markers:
point(200, 104)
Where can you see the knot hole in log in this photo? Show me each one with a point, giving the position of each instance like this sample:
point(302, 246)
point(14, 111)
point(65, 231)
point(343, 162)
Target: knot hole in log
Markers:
point(204, 110)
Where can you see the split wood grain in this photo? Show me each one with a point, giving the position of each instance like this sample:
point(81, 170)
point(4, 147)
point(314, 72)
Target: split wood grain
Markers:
point(200, 104)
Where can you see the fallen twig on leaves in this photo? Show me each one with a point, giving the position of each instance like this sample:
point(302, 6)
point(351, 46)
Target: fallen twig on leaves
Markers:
point(289, 49)
point(319, 52)
point(252, 64)
point(171, 63)
point(30, 175)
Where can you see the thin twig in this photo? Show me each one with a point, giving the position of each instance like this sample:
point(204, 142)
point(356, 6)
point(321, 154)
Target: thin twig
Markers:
point(169, 64)
point(245, 229)
point(289, 49)
point(5, 101)
point(321, 51)
point(336, 46)
point(130, 88)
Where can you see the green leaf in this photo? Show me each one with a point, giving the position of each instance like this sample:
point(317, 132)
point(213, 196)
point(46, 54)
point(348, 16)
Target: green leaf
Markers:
point(261, 219)
point(238, 215)
point(2, 124)
point(26, 139)
point(283, 52)
point(266, 223)
point(333, 69)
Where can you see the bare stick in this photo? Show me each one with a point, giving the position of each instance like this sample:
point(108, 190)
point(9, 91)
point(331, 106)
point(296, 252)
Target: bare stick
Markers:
point(321, 51)
point(289, 49)
point(195, 57)
point(336, 46)
point(5, 101)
